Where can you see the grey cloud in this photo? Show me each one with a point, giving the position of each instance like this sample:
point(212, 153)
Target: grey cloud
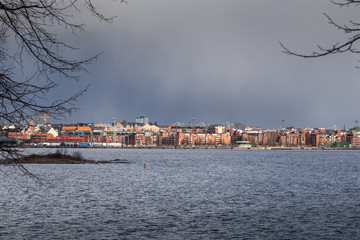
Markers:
point(217, 61)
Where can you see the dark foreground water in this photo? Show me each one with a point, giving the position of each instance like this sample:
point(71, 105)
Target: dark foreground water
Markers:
point(187, 194)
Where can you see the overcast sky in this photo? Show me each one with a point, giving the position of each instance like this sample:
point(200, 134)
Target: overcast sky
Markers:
point(217, 61)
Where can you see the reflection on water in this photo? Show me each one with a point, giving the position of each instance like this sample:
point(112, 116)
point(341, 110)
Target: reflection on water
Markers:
point(187, 194)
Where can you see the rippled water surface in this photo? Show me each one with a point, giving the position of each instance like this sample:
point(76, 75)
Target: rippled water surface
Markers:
point(186, 194)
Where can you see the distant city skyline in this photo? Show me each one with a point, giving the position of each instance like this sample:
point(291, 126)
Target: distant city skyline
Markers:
point(143, 119)
point(144, 134)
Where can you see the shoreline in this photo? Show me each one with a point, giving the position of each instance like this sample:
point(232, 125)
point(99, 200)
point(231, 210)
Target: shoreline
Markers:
point(192, 147)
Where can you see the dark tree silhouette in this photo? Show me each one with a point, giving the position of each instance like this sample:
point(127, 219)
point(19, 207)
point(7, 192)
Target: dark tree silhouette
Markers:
point(351, 29)
point(28, 31)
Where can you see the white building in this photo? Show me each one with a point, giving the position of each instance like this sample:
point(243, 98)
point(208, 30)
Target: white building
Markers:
point(142, 120)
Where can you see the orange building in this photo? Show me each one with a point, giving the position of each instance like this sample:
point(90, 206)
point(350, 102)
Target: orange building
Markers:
point(66, 139)
point(190, 139)
point(41, 137)
point(17, 135)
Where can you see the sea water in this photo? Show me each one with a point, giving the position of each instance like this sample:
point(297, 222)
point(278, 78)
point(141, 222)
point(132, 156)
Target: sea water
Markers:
point(186, 194)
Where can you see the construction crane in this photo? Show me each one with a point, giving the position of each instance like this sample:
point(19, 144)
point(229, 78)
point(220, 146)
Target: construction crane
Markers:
point(192, 121)
point(283, 124)
point(45, 117)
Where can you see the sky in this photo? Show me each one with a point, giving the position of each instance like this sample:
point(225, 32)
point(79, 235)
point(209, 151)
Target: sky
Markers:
point(215, 61)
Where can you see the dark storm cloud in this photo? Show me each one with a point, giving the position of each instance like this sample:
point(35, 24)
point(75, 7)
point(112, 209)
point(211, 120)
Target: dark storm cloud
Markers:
point(217, 61)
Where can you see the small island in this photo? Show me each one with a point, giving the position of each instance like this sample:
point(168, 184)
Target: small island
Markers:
point(59, 157)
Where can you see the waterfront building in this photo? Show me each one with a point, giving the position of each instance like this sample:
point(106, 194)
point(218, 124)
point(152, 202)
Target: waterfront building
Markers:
point(67, 139)
point(41, 137)
point(18, 135)
point(181, 135)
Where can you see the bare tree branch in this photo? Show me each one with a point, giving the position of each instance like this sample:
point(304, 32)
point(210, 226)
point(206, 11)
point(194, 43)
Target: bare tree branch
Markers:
point(31, 25)
point(349, 45)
